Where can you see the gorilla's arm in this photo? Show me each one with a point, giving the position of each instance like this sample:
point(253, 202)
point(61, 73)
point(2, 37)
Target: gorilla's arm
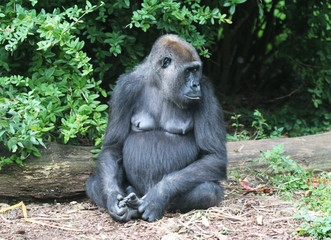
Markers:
point(210, 136)
point(110, 159)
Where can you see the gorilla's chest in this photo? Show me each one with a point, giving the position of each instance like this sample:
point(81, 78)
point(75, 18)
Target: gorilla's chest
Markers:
point(161, 141)
point(166, 118)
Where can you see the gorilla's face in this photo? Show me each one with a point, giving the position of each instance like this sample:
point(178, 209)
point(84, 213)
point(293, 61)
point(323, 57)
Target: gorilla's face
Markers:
point(178, 70)
point(180, 81)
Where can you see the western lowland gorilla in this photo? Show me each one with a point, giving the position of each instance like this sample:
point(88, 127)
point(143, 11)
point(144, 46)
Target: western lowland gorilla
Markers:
point(164, 147)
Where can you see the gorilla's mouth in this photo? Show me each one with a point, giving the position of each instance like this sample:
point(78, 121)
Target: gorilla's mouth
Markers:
point(194, 97)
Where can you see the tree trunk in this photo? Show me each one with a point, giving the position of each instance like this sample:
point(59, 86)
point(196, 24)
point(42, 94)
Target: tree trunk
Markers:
point(62, 170)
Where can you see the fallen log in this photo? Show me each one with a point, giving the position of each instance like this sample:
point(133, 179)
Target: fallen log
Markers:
point(312, 152)
point(61, 171)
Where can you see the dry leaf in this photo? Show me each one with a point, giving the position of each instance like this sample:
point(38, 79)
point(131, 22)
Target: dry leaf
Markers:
point(308, 193)
point(205, 222)
point(259, 220)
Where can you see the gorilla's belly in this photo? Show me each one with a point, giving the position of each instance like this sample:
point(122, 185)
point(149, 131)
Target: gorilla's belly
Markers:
point(149, 155)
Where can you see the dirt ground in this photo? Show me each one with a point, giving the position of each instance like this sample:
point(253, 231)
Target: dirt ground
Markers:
point(240, 216)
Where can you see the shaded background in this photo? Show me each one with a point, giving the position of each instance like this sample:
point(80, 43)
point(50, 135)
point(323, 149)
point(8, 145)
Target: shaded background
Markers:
point(270, 56)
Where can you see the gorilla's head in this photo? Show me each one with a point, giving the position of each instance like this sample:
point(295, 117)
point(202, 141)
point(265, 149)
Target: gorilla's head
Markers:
point(177, 69)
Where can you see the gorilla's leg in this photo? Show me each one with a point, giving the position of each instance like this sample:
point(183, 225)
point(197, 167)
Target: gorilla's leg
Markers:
point(203, 196)
point(94, 191)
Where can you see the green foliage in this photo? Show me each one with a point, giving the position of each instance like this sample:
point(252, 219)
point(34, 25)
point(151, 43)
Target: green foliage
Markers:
point(238, 135)
point(311, 192)
point(55, 97)
point(304, 45)
point(319, 201)
point(119, 34)
point(21, 121)
point(282, 171)
point(54, 57)
point(232, 4)
point(285, 175)
point(319, 228)
point(288, 121)
point(278, 53)
point(295, 121)
point(182, 17)
point(261, 129)
point(259, 124)
point(65, 55)
point(313, 64)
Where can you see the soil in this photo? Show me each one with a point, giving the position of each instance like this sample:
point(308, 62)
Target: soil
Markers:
point(239, 216)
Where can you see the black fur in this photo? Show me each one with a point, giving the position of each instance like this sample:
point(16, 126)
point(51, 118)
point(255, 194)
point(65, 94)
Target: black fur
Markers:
point(161, 150)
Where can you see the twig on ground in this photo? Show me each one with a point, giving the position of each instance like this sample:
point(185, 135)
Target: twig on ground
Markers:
point(282, 219)
point(25, 214)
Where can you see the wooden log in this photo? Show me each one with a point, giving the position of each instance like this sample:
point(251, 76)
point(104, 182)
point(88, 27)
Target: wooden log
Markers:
point(61, 171)
point(312, 152)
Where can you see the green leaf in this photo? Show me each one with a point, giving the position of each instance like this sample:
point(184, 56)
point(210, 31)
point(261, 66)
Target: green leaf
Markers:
point(49, 72)
point(2, 132)
point(37, 153)
point(12, 144)
point(103, 92)
point(88, 4)
point(261, 13)
point(127, 3)
point(232, 9)
point(11, 129)
point(101, 108)
point(95, 150)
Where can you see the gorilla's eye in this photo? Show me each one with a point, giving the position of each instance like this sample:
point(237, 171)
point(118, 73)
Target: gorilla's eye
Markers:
point(166, 62)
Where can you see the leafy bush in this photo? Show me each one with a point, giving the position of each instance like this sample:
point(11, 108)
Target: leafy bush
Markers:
point(277, 54)
point(260, 128)
point(59, 58)
point(54, 58)
point(55, 96)
point(183, 18)
point(288, 121)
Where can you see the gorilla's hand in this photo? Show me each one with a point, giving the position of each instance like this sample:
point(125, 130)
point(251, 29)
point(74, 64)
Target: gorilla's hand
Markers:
point(131, 201)
point(152, 207)
point(120, 212)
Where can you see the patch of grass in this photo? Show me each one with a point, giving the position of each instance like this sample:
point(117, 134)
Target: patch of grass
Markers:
point(314, 191)
point(318, 227)
point(260, 128)
point(238, 135)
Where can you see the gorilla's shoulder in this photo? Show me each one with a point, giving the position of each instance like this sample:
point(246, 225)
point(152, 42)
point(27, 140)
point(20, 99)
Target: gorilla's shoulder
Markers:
point(206, 84)
point(130, 81)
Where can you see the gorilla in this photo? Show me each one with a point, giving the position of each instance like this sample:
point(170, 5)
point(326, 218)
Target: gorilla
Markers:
point(164, 147)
